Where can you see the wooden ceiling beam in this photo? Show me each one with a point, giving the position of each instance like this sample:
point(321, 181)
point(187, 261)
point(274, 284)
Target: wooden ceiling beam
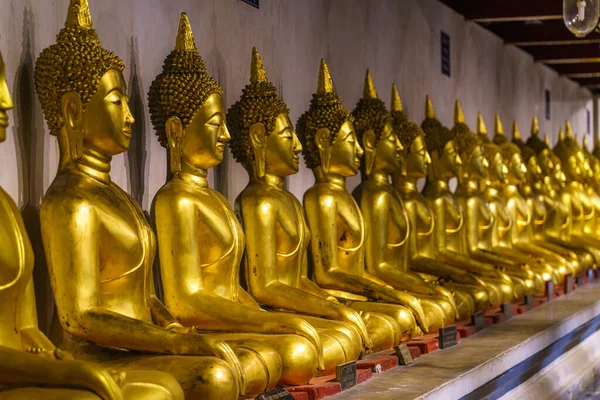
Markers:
point(507, 10)
point(565, 54)
point(544, 33)
point(574, 69)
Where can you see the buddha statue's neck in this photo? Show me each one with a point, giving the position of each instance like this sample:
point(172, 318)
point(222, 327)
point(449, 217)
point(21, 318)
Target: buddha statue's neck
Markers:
point(193, 175)
point(379, 177)
point(405, 184)
point(274, 181)
point(438, 184)
point(94, 165)
point(510, 189)
point(468, 186)
point(329, 178)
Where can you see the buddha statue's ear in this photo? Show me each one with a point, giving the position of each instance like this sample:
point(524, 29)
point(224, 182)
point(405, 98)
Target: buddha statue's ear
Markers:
point(258, 135)
point(323, 143)
point(369, 145)
point(174, 132)
point(71, 115)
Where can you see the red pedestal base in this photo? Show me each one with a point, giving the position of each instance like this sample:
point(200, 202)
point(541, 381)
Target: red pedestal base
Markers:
point(425, 344)
point(318, 390)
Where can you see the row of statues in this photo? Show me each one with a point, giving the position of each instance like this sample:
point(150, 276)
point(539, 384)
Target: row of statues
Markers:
point(273, 291)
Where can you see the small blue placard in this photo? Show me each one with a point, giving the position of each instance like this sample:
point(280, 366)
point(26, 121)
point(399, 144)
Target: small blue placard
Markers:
point(547, 101)
point(589, 120)
point(445, 48)
point(253, 3)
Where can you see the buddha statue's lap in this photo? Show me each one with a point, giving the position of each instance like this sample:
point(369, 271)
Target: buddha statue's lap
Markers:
point(98, 244)
point(277, 236)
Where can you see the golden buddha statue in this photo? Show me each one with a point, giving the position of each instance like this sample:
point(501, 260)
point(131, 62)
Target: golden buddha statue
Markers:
point(423, 251)
point(201, 243)
point(591, 188)
point(448, 216)
point(277, 236)
point(331, 150)
point(98, 245)
point(573, 195)
point(478, 217)
point(387, 227)
point(32, 367)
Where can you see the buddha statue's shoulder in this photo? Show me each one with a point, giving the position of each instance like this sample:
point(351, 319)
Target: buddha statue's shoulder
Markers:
point(259, 196)
point(8, 208)
point(70, 190)
point(323, 194)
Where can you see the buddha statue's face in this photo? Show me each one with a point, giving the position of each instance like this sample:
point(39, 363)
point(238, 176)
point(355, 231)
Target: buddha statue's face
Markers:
point(534, 171)
point(417, 158)
point(516, 169)
point(477, 165)
point(204, 140)
point(497, 170)
point(389, 150)
point(450, 161)
point(282, 148)
point(558, 175)
point(572, 168)
point(345, 152)
point(5, 102)
point(107, 119)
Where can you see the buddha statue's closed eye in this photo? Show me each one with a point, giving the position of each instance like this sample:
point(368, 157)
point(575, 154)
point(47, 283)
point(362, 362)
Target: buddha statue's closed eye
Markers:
point(201, 242)
point(98, 245)
point(31, 367)
point(336, 252)
point(277, 236)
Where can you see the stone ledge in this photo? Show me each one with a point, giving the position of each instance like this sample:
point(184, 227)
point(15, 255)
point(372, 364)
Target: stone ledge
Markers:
point(476, 366)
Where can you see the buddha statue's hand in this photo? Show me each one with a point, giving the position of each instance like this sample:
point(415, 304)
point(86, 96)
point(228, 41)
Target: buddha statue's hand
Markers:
point(333, 299)
point(106, 384)
point(414, 305)
point(207, 346)
point(353, 318)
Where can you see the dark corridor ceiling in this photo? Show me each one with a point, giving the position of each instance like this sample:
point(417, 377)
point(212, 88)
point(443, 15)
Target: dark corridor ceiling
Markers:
point(537, 27)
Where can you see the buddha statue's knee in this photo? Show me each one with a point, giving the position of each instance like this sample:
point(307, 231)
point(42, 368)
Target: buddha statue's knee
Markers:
point(495, 295)
point(481, 299)
point(200, 377)
point(386, 331)
point(261, 363)
point(298, 357)
point(352, 342)
point(507, 291)
point(152, 385)
point(438, 313)
point(404, 319)
point(465, 301)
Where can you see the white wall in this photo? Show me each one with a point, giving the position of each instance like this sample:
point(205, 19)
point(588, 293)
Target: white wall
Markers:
point(398, 40)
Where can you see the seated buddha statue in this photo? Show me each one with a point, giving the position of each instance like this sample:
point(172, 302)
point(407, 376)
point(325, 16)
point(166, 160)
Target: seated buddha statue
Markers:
point(336, 250)
point(595, 153)
point(573, 194)
point(449, 225)
point(31, 366)
point(386, 224)
point(98, 244)
point(200, 241)
point(590, 180)
point(477, 216)
point(423, 254)
point(277, 236)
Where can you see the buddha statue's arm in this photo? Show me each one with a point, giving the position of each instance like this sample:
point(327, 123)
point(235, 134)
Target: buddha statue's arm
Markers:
point(324, 243)
point(18, 368)
point(73, 255)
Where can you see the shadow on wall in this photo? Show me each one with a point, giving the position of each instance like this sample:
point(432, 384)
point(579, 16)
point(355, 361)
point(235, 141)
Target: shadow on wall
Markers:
point(29, 132)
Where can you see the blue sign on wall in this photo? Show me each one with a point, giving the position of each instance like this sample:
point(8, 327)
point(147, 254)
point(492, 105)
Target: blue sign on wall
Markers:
point(589, 120)
point(547, 101)
point(254, 3)
point(445, 46)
